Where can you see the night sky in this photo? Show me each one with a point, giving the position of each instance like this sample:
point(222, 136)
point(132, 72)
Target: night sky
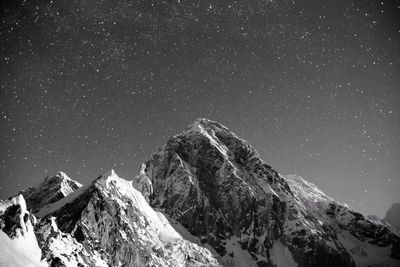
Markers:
point(314, 86)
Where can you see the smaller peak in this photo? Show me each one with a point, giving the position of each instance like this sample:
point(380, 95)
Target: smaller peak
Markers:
point(60, 176)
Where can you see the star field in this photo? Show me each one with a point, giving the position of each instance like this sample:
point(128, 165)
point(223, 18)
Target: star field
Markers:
point(86, 86)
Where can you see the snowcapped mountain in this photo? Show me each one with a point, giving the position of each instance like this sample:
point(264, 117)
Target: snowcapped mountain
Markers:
point(219, 190)
point(204, 199)
point(393, 216)
point(107, 223)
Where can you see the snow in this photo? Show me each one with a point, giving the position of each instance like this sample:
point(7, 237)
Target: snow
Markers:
point(23, 250)
point(281, 255)
point(15, 254)
point(306, 189)
point(365, 254)
point(312, 199)
point(166, 231)
point(191, 238)
point(240, 257)
point(69, 251)
point(210, 135)
point(65, 188)
point(197, 127)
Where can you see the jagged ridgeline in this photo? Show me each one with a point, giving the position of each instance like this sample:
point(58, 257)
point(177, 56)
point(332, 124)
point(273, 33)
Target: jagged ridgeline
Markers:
point(204, 199)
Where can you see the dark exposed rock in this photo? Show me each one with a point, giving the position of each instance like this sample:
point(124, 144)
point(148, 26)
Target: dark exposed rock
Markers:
point(11, 220)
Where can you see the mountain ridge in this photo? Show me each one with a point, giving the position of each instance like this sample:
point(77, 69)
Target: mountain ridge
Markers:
point(205, 198)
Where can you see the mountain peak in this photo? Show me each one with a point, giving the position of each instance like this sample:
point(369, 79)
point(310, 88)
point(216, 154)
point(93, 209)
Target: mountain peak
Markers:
point(110, 174)
point(204, 123)
point(50, 190)
point(63, 175)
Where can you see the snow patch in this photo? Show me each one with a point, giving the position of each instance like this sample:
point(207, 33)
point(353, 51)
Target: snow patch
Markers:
point(281, 255)
point(365, 254)
point(166, 231)
point(15, 254)
point(236, 256)
point(65, 184)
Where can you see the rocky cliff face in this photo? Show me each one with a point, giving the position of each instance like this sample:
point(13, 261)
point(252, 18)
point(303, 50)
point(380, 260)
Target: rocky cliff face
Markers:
point(204, 199)
point(216, 187)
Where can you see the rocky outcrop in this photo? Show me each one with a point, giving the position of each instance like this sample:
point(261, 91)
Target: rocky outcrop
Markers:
point(143, 184)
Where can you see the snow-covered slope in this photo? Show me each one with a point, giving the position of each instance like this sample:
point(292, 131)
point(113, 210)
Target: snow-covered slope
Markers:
point(217, 188)
point(357, 233)
point(109, 223)
point(19, 246)
point(393, 216)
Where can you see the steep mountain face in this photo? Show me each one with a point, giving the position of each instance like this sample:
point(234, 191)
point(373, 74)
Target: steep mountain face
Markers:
point(393, 216)
point(220, 193)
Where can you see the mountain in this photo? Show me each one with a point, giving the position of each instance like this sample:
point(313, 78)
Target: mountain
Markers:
point(108, 223)
point(215, 185)
point(393, 216)
point(205, 198)
point(50, 190)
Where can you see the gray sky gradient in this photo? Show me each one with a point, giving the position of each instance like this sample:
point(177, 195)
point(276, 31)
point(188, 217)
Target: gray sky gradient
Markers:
point(314, 86)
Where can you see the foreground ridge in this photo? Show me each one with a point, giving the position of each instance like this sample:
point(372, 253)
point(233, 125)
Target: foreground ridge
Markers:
point(109, 223)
